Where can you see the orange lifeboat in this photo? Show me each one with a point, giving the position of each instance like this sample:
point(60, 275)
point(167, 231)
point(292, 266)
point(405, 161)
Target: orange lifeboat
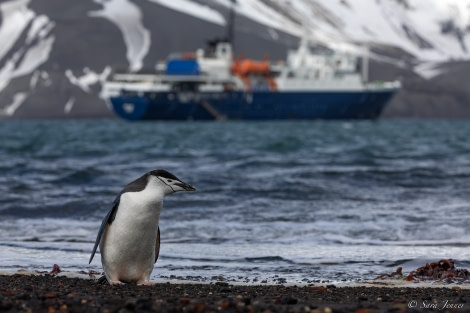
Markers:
point(245, 68)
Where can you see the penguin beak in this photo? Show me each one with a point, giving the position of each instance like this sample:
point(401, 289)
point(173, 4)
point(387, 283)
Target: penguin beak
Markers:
point(185, 187)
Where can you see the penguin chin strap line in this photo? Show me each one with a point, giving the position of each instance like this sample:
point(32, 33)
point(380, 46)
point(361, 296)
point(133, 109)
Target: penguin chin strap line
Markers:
point(166, 183)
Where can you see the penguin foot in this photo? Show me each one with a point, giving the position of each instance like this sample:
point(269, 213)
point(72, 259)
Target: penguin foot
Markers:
point(102, 280)
point(146, 283)
point(116, 282)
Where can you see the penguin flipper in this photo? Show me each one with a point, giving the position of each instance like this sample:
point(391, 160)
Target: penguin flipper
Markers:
point(157, 246)
point(108, 219)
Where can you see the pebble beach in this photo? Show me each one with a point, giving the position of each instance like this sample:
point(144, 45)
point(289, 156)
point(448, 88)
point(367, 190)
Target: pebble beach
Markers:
point(50, 293)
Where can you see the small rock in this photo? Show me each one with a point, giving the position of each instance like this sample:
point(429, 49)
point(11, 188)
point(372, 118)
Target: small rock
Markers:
point(221, 284)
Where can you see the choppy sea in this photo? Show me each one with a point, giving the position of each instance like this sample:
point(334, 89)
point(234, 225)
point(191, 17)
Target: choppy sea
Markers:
point(285, 202)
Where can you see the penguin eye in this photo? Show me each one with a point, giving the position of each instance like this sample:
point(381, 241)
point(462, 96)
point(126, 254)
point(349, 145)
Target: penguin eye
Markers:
point(169, 180)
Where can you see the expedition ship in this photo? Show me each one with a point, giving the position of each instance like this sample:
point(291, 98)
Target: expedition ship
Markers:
point(211, 84)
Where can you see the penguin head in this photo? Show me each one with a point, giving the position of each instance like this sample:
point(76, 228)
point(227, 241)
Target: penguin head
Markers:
point(170, 182)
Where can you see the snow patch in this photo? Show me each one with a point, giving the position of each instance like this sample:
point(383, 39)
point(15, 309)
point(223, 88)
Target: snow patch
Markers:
point(274, 35)
point(6, 74)
point(195, 9)
point(35, 56)
point(47, 79)
point(416, 28)
point(428, 70)
point(33, 81)
point(128, 18)
point(18, 100)
point(69, 105)
point(40, 28)
point(88, 79)
point(259, 11)
point(15, 17)
point(35, 51)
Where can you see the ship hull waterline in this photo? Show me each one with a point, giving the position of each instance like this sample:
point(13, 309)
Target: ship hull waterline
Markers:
point(261, 105)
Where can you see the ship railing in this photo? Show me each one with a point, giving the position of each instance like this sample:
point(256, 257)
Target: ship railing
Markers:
point(161, 79)
point(384, 85)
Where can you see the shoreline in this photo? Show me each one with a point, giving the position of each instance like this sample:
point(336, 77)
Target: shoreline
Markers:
point(376, 283)
point(30, 292)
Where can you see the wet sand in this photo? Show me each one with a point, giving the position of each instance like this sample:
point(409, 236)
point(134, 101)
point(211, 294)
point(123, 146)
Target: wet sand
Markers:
point(50, 293)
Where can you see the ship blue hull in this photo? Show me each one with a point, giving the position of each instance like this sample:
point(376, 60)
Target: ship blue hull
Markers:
point(261, 105)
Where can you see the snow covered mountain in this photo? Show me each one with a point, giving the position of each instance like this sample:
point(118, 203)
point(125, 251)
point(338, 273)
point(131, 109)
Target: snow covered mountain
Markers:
point(55, 54)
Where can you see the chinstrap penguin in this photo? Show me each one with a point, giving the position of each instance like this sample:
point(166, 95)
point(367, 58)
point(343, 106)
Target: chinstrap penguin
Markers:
point(129, 237)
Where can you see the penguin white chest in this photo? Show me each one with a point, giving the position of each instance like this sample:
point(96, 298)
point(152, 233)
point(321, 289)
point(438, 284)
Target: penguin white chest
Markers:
point(128, 245)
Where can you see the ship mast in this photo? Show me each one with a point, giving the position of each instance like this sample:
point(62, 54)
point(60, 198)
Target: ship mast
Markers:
point(231, 23)
point(365, 64)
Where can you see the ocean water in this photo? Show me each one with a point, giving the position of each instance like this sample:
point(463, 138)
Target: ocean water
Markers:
point(285, 202)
